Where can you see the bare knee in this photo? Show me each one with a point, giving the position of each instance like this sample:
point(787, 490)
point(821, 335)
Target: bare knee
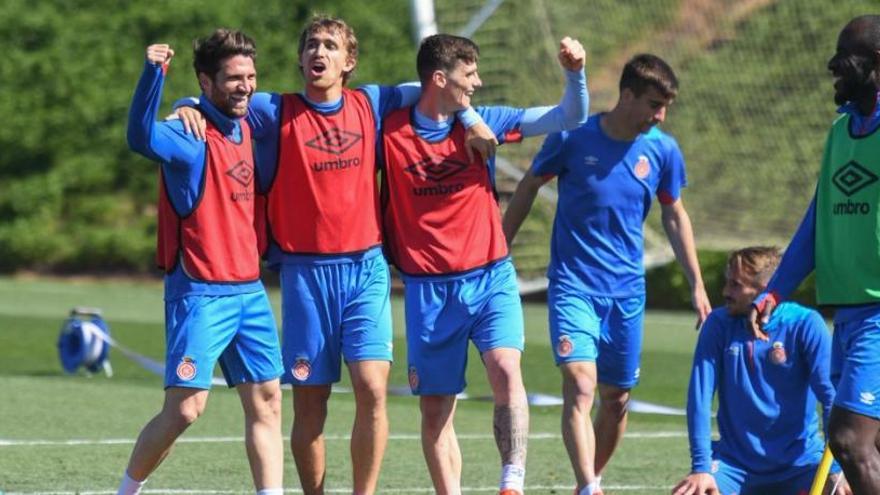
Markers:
point(505, 376)
point(183, 408)
point(436, 413)
point(264, 402)
point(579, 384)
point(310, 406)
point(614, 401)
point(848, 445)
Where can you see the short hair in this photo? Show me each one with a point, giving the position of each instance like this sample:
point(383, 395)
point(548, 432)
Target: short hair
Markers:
point(333, 25)
point(867, 29)
point(757, 262)
point(647, 70)
point(209, 52)
point(443, 52)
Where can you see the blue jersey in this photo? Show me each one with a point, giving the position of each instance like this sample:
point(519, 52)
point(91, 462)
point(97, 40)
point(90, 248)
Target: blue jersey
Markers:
point(182, 159)
point(606, 188)
point(767, 392)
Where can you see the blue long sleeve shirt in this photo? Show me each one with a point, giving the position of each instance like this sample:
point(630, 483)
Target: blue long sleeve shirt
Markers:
point(767, 392)
point(182, 158)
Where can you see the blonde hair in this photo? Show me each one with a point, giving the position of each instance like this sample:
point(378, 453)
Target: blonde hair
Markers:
point(758, 262)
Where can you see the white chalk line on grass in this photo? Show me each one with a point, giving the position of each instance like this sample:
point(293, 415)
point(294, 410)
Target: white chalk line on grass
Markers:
point(464, 489)
point(398, 437)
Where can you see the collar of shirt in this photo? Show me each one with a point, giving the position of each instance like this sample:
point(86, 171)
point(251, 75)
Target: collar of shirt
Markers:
point(324, 107)
point(430, 129)
point(862, 124)
point(229, 126)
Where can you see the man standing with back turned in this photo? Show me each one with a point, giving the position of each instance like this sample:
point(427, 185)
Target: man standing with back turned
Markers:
point(838, 237)
point(609, 170)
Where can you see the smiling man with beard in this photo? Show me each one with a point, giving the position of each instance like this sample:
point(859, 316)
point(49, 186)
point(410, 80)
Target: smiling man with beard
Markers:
point(215, 305)
point(767, 392)
point(838, 237)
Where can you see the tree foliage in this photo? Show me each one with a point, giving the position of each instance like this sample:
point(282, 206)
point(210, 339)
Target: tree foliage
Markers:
point(72, 196)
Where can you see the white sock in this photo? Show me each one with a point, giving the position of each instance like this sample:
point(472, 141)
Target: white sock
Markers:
point(513, 477)
point(129, 486)
point(271, 491)
point(589, 489)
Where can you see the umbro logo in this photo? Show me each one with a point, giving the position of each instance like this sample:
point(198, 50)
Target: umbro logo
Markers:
point(334, 141)
point(242, 172)
point(852, 178)
point(430, 168)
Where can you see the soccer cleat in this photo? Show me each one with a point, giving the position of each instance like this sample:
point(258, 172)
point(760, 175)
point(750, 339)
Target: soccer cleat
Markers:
point(510, 491)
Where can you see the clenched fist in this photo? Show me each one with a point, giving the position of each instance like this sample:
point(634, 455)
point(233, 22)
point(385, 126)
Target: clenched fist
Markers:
point(572, 55)
point(159, 54)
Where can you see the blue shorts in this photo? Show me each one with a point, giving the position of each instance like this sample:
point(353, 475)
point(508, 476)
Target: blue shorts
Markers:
point(333, 311)
point(732, 480)
point(442, 315)
point(606, 330)
point(238, 330)
point(855, 364)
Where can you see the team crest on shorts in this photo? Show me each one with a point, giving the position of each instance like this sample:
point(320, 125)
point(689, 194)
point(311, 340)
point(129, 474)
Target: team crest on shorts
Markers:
point(186, 370)
point(564, 346)
point(643, 167)
point(413, 378)
point(777, 353)
point(301, 370)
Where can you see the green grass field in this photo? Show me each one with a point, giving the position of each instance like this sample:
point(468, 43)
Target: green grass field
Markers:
point(73, 434)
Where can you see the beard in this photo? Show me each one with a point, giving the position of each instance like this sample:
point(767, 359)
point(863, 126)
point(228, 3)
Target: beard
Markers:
point(857, 79)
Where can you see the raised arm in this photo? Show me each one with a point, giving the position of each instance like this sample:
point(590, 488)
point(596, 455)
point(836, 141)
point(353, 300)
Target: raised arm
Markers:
point(155, 140)
point(573, 109)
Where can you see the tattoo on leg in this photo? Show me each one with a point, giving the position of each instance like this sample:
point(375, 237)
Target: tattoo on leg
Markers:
point(511, 424)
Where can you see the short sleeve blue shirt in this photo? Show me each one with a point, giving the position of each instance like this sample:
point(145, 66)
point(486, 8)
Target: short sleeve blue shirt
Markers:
point(606, 188)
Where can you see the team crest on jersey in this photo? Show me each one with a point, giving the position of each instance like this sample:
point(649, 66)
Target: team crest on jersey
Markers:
point(715, 466)
point(413, 378)
point(186, 370)
point(777, 353)
point(334, 141)
point(564, 347)
point(643, 167)
point(435, 168)
point(242, 172)
point(301, 370)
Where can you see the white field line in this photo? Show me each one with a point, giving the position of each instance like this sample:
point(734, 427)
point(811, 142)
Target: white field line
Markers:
point(399, 437)
point(464, 489)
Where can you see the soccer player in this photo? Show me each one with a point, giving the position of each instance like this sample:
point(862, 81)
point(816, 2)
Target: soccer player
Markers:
point(838, 238)
point(316, 153)
point(443, 232)
point(767, 392)
point(215, 305)
point(609, 170)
